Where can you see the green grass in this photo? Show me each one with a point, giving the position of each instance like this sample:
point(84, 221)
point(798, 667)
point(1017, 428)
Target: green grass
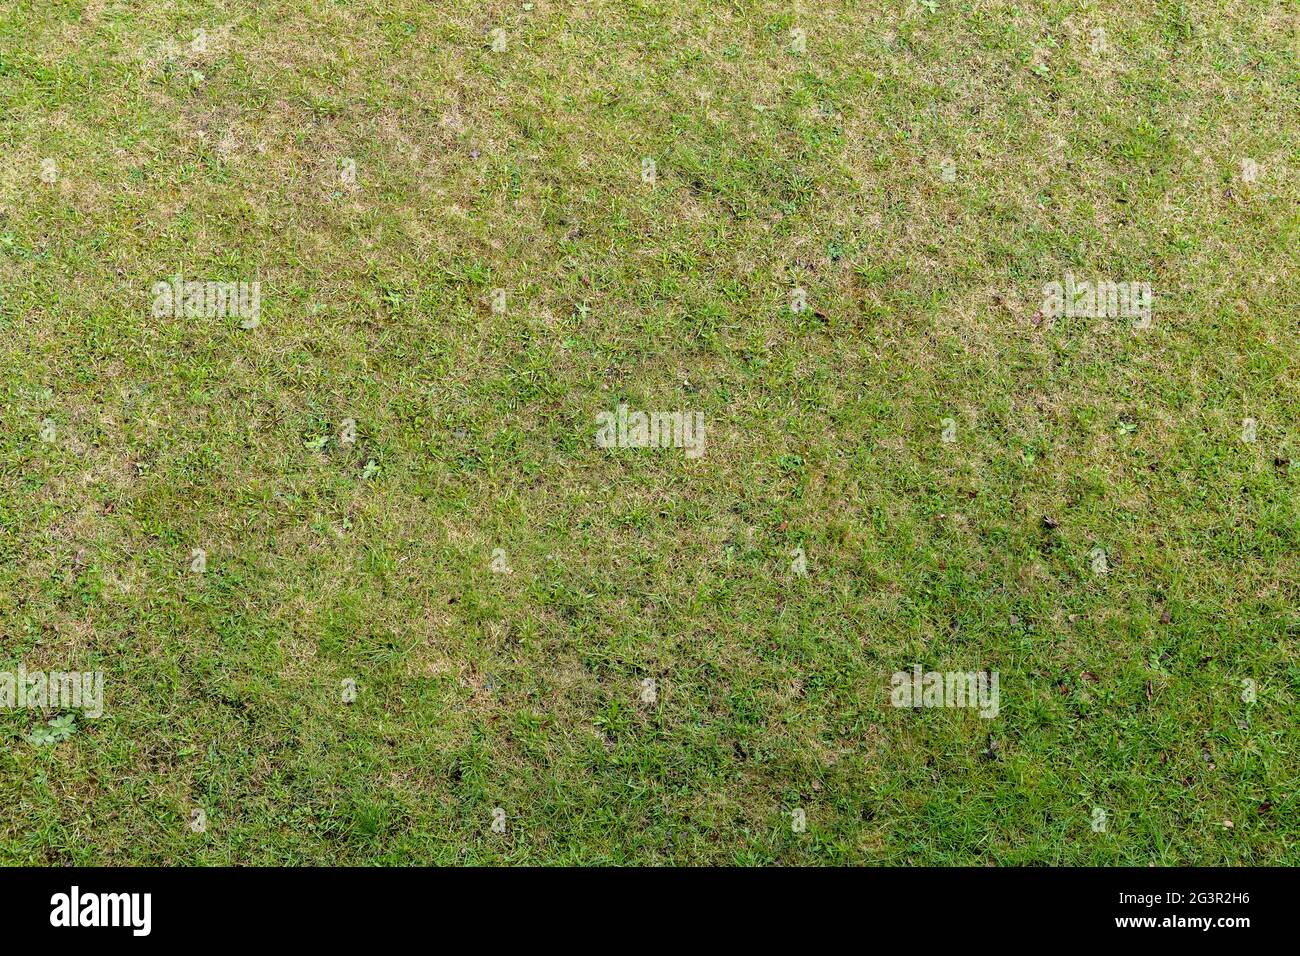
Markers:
point(776, 170)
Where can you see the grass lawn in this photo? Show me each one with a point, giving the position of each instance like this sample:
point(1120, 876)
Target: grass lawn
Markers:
point(365, 588)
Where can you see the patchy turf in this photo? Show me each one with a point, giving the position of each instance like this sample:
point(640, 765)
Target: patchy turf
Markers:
point(615, 646)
